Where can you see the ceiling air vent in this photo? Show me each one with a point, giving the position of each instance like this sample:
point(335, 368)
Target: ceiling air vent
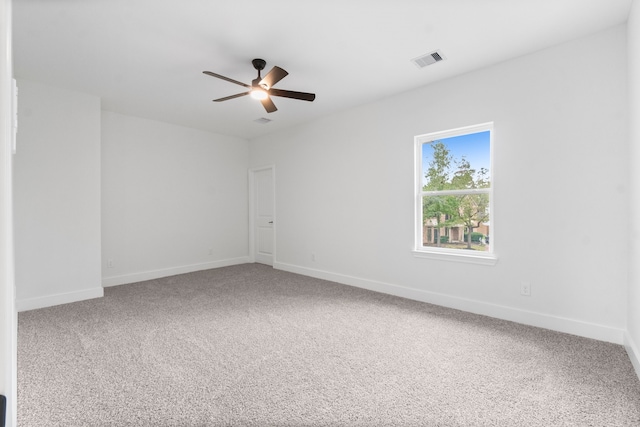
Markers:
point(263, 121)
point(428, 59)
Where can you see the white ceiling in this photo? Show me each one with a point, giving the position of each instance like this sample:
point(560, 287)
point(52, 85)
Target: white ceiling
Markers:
point(145, 57)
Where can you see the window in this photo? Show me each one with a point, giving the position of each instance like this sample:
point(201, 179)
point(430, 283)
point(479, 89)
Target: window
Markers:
point(454, 195)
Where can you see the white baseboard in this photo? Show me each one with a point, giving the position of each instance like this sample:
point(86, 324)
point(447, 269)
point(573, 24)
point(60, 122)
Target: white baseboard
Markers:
point(165, 272)
point(633, 351)
point(541, 320)
point(57, 299)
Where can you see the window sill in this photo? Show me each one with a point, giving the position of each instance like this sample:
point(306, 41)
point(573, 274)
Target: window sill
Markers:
point(469, 258)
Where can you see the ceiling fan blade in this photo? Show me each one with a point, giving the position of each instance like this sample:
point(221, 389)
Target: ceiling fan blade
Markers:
point(209, 73)
point(291, 94)
point(226, 98)
point(268, 105)
point(274, 76)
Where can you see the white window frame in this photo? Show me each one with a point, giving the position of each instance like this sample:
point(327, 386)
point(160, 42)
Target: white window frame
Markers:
point(446, 254)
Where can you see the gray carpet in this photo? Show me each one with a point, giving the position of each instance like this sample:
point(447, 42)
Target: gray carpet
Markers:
point(251, 346)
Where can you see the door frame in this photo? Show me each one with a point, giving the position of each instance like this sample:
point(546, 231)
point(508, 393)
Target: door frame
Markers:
point(8, 312)
point(252, 212)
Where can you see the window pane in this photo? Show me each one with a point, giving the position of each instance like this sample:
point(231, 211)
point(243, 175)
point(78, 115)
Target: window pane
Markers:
point(458, 162)
point(456, 222)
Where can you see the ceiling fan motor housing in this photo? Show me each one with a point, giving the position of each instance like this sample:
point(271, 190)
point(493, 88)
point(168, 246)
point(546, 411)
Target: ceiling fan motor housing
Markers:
point(259, 64)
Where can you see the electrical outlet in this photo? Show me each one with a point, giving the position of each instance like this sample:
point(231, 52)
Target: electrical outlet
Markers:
point(525, 289)
point(210, 251)
point(110, 263)
point(313, 257)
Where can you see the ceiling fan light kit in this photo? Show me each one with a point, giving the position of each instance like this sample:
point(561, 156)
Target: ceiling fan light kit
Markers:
point(262, 88)
point(259, 94)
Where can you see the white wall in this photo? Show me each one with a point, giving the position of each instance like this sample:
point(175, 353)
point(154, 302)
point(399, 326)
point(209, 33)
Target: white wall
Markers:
point(344, 190)
point(174, 199)
point(8, 321)
point(633, 310)
point(57, 196)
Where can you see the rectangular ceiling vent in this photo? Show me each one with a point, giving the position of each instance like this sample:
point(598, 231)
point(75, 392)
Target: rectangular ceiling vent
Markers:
point(428, 59)
point(263, 121)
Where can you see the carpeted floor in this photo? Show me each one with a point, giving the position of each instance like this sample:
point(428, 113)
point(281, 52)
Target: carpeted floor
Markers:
point(251, 346)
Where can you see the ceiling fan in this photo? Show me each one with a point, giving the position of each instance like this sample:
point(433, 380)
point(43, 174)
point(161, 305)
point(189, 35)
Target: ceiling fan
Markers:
point(262, 88)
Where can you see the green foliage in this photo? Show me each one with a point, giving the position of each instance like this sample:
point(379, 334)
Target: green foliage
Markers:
point(444, 239)
point(474, 210)
point(463, 177)
point(439, 208)
point(475, 237)
point(439, 168)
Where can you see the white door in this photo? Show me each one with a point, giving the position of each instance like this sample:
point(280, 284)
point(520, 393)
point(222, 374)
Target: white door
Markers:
point(263, 213)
